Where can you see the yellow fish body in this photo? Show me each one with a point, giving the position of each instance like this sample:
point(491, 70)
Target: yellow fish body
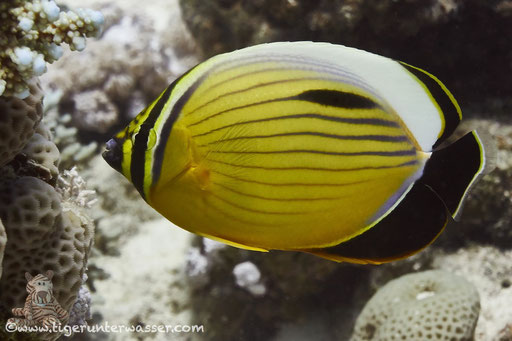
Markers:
point(303, 146)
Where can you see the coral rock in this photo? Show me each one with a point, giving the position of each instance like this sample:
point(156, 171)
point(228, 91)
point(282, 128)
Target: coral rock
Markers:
point(18, 121)
point(430, 305)
point(248, 276)
point(438, 35)
point(94, 111)
point(44, 153)
point(43, 235)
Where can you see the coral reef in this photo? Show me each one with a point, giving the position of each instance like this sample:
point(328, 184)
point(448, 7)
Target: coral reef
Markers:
point(199, 281)
point(43, 234)
point(115, 78)
point(490, 270)
point(433, 305)
point(94, 111)
point(446, 37)
point(44, 225)
point(81, 311)
point(64, 134)
point(41, 150)
point(31, 35)
point(163, 302)
point(18, 121)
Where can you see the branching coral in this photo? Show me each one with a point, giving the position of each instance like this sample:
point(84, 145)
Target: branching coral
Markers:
point(31, 33)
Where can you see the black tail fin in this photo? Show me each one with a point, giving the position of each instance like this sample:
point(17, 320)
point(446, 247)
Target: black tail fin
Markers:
point(452, 171)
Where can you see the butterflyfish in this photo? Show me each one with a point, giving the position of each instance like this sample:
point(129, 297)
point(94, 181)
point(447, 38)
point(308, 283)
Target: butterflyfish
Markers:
point(304, 146)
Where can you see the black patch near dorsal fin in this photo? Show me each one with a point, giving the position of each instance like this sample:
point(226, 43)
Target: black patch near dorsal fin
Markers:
point(408, 228)
point(335, 98)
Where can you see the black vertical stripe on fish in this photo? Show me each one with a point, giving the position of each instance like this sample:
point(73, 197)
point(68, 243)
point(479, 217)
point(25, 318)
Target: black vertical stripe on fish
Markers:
point(413, 224)
point(137, 166)
point(339, 99)
point(369, 121)
point(449, 110)
point(158, 156)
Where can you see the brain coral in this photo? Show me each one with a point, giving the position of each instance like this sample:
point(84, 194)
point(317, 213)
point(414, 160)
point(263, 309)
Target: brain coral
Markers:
point(18, 120)
point(41, 149)
point(44, 234)
point(431, 305)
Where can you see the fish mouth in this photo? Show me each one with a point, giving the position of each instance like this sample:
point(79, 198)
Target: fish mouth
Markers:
point(113, 154)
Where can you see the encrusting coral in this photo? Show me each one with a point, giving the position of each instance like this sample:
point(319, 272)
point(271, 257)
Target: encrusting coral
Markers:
point(18, 121)
point(430, 305)
point(31, 33)
point(43, 234)
point(41, 150)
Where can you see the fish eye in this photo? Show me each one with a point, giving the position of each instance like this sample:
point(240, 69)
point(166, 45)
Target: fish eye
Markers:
point(152, 138)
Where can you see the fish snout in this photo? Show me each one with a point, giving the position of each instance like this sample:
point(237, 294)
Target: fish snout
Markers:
point(113, 154)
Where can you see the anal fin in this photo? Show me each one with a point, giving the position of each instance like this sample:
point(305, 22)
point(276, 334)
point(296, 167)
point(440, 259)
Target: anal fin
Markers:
point(410, 227)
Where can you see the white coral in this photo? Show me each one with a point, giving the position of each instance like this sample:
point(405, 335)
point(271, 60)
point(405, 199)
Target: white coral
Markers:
point(248, 276)
point(73, 188)
point(25, 48)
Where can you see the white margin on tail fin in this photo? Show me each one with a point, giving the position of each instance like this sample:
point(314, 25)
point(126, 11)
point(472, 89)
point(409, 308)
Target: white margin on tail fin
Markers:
point(488, 155)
